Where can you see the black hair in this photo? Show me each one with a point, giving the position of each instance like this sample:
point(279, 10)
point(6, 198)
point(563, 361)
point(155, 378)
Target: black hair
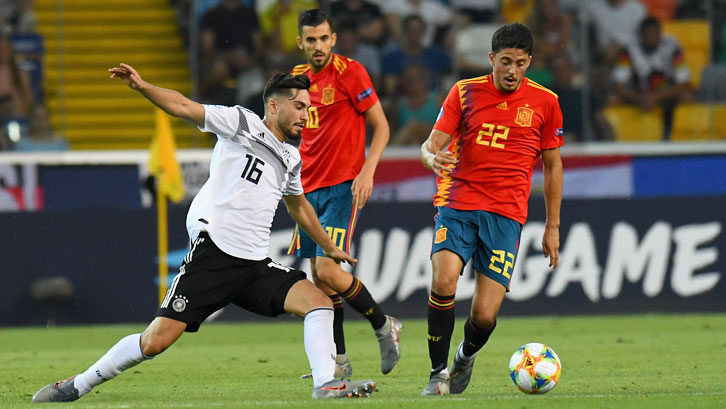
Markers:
point(284, 83)
point(412, 17)
point(515, 35)
point(313, 18)
point(649, 22)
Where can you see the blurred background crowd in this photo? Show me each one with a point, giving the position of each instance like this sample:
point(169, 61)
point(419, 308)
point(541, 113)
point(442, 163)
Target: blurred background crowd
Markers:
point(625, 70)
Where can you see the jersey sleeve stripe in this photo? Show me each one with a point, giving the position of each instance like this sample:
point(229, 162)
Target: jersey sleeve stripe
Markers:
point(299, 69)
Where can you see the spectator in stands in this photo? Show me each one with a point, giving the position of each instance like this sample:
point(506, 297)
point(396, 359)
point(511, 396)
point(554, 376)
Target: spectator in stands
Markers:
point(40, 136)
point(417, 109)
point(614, 23)
point(564, 84)
point(551, 29)
point(651, 72)
point(435, 15)
point(15, 93)
point(413, 51)
point(279, 26)
point(231, 43)
point(349, 45)
point(370, 21)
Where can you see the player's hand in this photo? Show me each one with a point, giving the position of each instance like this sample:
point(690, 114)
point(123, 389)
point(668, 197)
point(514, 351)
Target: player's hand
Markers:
point(443, 161)
point(128, 75)
point(551, 245)
point(362, 188)
point(340, 256)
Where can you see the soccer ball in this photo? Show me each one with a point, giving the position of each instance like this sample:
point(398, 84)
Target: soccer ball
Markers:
point(535, 368)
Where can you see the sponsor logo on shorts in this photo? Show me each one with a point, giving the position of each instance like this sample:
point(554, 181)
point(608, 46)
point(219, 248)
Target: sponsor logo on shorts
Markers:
point(440, 235)
point(180, 303)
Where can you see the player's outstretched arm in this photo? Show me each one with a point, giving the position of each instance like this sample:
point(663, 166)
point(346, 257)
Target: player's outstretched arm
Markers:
point(362, 186)
point(172, 102)
point(434, 157)
point(303, 213)
point(552, 167)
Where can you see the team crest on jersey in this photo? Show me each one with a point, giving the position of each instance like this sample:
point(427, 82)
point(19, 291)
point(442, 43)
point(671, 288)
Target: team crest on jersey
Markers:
point(180, 303)
point(440, 235)
point(328, 95)
point(524, 116)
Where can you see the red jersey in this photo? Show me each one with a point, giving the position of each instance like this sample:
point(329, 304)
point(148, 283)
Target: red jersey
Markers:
point(334, 139)
point(497, 137)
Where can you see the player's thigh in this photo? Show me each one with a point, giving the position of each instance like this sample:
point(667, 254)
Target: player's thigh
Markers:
point(304, 297)
point(267, 287)
point(207, 281)
point(337, 215)
point(487, 299)
point(496, 252)
point(454, 242)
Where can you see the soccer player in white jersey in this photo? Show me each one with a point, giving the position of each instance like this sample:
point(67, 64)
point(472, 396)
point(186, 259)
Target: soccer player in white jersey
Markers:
point(229, 222)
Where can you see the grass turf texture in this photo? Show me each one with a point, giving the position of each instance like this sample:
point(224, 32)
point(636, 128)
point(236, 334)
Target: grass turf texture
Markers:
point(638, 361)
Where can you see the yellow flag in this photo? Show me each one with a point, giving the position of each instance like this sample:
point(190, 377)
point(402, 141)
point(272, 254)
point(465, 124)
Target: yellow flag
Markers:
point(162, 160)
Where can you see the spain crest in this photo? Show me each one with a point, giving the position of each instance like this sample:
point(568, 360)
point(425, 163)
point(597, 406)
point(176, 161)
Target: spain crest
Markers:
point(440, 235)
point(328, 95)
point(524, 116)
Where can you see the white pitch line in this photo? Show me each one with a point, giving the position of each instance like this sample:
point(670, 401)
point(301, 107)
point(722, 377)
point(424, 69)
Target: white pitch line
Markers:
point(373, 400)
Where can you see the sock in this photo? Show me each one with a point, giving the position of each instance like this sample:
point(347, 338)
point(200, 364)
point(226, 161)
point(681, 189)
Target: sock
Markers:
point(475, 337)
point(360, 299)
point(319, 345)
point(124, 355)
point(441, 325)
point(339, 315)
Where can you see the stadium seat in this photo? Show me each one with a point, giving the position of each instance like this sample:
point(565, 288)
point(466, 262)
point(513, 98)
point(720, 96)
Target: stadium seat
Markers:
point(695, 39)
point(692, 122)
point(631, 124)
point(470, 48)
point(663, 10)
point(719, 122)
point(713, 84)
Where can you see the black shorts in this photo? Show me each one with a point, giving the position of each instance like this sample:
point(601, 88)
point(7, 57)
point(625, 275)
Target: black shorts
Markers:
point(210, 279)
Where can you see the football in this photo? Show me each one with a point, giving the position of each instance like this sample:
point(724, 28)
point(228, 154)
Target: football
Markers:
point(535, 368)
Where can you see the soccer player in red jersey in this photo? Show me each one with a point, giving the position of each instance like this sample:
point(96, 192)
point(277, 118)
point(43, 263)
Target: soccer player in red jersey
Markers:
point(337, 177)
point(489, 133)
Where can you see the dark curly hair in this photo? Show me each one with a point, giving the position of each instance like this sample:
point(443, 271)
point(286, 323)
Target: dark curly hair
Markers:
point(515, 35)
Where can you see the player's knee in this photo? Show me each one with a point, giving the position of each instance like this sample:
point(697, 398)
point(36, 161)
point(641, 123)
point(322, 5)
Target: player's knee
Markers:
point(483, 318)
point(443, 285)
point(320, 300)
point(152, 345)
point(326, 274)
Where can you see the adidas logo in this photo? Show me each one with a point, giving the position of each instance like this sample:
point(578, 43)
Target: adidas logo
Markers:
point(503, 106)
point(314, 88)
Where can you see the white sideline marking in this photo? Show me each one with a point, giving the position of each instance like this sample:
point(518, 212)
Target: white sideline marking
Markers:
point(373, 400)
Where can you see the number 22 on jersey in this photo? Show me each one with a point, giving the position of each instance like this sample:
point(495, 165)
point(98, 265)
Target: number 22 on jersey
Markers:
point(491, 135)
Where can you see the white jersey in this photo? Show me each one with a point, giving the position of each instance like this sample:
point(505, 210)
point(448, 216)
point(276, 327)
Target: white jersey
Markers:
point(250, 172)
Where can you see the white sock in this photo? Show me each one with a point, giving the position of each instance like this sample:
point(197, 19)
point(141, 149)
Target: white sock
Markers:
point(319, 344)
point(462, 356)
point(125, 354)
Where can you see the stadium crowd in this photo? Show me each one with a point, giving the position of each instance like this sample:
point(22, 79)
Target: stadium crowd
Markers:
point(594, 54)
point(597, 55)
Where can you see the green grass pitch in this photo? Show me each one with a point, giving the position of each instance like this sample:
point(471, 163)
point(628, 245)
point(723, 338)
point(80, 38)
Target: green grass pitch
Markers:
point(634, 361)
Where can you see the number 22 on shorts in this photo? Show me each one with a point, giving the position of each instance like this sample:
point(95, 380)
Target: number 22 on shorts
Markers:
point(501, 264)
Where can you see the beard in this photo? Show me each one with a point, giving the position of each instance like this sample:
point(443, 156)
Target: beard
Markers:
point(290, 133)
